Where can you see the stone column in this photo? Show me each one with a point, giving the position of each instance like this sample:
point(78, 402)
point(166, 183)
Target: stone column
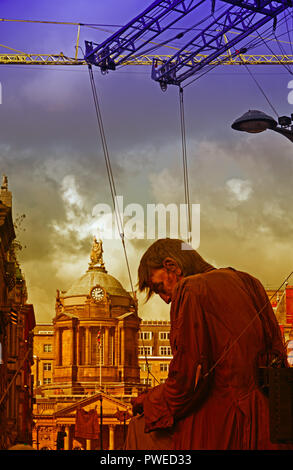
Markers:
point(72, 345)
point(78, 346)
point(88, 444)
point(67, 437)
point(116, 346)
point(74, 326)
point(111, 347)
point(57, 346)
point(87, 345)
point(112, 436)
point(122, 346)
point(106, 347)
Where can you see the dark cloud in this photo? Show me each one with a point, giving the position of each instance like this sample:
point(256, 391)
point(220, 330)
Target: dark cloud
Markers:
point(50, 145)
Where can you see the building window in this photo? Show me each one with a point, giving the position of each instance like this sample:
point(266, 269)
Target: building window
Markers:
point(47, 348)
point(162, 381)
point(145, 335)
point(47, 366)
point(144, 350)
point(147, 381)
point(145, 367)
point(47, 380)
point(164, 367)
point(164, 335)
point(97, 343)
point(165, 351)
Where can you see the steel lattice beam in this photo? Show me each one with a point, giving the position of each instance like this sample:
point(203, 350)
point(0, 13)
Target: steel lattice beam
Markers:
point(243, 16)
point(153, 21)
point(267, 7)
point(225, 59)
point(212, 42)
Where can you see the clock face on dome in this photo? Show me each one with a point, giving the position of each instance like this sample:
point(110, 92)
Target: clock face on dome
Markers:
point(97, 294)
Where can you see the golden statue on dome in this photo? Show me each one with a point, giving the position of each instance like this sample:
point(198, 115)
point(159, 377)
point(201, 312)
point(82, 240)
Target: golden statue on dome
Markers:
point(96, 255)
point(4, 185)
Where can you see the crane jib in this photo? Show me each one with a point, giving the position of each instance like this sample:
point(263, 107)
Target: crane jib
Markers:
point(245, 16)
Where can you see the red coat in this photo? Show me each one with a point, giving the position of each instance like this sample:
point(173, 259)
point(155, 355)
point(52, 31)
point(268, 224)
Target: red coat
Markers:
point(214, 323)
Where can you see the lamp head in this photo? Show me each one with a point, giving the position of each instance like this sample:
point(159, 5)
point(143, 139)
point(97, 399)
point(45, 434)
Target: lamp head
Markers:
point(254, 122)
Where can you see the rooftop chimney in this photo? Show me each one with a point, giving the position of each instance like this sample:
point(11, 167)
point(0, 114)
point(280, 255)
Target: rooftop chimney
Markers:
point(5, 195)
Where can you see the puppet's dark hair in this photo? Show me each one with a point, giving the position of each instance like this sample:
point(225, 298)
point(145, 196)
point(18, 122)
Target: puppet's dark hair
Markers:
point(189, 261)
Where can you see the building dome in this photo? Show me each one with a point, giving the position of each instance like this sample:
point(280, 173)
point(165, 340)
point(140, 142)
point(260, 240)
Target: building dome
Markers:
point(93, 277)
point(96, 276)
point(95, 331)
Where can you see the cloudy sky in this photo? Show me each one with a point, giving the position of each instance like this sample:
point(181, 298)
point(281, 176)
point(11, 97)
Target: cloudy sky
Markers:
point(50, 149)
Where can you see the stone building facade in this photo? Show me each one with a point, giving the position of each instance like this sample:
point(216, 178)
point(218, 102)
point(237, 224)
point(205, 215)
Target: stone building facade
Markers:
point(154, 352)
point(154, 356)
point(43, 354)
point(88, 358)
point(17, 321)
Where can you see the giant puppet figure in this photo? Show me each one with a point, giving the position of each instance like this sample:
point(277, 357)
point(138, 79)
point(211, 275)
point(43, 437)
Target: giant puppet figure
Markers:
point(222, 329)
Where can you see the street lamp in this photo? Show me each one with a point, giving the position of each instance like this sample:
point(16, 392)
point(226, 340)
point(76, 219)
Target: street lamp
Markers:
point(256, 121)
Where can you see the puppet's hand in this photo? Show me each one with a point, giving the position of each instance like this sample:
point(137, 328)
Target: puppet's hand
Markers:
point(137, 404)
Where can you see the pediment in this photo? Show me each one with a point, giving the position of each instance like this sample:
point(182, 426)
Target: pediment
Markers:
point(127, 315)
point(110, 405)
point(64, 316)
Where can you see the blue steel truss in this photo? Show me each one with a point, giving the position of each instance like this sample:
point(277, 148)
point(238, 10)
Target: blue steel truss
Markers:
point(241, 16)
point(212, 41)
point(128, 40)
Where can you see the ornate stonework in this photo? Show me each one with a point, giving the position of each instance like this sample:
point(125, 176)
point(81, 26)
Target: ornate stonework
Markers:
point(96, 256)
point(95, 352)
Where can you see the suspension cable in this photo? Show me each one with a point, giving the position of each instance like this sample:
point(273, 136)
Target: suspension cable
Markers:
point(110, 175)
point(185, 169)
point(113, 195)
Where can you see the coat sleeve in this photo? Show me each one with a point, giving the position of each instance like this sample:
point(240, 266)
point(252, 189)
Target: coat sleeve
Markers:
point(174, 399)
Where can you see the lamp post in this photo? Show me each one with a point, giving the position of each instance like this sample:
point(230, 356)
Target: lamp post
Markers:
point(256, 121)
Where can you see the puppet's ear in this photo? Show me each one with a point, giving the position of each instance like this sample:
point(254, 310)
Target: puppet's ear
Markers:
point(171, 265)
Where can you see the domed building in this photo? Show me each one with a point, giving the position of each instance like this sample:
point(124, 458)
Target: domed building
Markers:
point(95, 357)
point(95, 330)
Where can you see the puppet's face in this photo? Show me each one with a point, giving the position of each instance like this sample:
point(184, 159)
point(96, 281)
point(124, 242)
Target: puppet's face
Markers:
point(162, 282)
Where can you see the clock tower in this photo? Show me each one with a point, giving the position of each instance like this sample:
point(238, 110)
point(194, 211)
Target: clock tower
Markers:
point(95, 333)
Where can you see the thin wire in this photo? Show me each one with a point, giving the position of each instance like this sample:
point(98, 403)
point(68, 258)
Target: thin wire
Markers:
point(246, 328)
point(14, 50)
point(259, 86)
point(114, 194)
point(207, 70)
point(261, 90)
point(288, 32)
point(185, 169)
point(261, 39)
point(250, 45)
point(272, 52)
point(146, 51)
point(110, 174)
point(211, 67)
